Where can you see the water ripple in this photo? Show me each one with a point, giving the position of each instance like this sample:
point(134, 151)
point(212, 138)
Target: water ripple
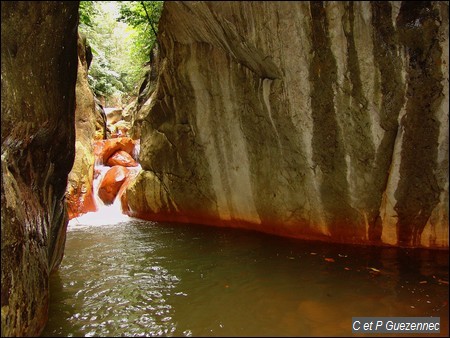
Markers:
point(147, 279)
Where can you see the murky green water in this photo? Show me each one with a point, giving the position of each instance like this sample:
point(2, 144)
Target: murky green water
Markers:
point(141, 278)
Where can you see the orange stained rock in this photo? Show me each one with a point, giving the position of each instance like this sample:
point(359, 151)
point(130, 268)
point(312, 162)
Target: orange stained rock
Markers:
point(111, 183)
point(122, 192)
point(122, 158)
point(104, 149)
point(79, 203)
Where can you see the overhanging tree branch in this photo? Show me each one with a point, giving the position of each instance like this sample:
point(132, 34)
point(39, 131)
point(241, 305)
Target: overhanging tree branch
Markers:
point(150, 22)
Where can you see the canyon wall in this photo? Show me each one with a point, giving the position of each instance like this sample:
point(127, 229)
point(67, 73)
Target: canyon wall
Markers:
point(80, 193)
point(38, 76)
point(316, 120)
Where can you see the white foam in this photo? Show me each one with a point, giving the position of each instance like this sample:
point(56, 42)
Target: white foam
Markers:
point(105, 214)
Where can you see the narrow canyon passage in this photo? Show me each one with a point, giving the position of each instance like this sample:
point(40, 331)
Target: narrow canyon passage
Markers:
point(240, 169)
point(126, 276)
point(123, 276)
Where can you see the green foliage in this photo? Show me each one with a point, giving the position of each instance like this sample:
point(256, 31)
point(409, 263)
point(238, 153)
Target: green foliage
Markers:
point(103, 80)
point(121, 40)
point(87, 10)
point(144, 17)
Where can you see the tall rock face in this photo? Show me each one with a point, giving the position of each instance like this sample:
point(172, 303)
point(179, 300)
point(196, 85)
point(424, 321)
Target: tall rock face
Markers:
point(80, 192)
point(38, 75)
point(316, 120)
point(140, 105)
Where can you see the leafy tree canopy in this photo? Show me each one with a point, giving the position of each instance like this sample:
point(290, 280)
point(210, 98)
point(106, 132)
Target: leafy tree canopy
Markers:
point(87, 11)
point(144, 17)
point(121, 35)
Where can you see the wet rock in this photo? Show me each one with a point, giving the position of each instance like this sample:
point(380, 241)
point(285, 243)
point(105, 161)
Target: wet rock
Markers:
point(111, 183)
point(121, 158)
point(322, 120)
point(132, 174)
point(38, 77)
point(104, 149)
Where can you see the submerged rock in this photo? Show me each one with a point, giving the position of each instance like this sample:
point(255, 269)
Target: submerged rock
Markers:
point(324, 120)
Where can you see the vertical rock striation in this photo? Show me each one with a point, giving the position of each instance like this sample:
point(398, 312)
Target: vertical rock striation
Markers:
point(39, 69)
point(320, 120)
point(80, 192)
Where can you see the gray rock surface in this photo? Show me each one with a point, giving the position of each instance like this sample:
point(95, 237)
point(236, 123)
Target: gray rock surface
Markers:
point(304, 119)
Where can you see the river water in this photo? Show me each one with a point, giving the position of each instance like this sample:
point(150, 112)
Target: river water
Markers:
point(139, 278)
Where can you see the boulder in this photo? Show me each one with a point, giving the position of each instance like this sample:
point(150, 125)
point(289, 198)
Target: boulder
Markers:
point(121, 158)
point(111, 183)
point(113, 115)
point(121, 128)
point(104, 149)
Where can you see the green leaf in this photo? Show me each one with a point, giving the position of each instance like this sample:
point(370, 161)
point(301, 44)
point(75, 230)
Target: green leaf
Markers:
point(121, 36)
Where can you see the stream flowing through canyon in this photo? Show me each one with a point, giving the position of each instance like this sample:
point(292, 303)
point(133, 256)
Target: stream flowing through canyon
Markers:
point(122, 276)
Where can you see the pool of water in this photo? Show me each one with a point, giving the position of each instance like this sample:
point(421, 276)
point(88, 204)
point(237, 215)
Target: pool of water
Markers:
point(138, 278)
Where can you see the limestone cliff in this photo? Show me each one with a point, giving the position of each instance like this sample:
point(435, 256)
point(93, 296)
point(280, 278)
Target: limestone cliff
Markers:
point(322, 120)
point(39, 69)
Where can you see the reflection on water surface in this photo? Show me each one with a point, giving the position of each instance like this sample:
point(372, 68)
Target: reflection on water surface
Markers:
point(141, 278)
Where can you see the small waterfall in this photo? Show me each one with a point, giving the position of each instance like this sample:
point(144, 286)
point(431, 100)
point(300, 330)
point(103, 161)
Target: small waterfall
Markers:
point(105, 214)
